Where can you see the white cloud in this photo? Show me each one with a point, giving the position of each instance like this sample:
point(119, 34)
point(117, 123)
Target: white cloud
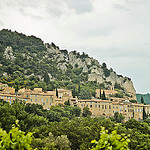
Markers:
point(115, 31)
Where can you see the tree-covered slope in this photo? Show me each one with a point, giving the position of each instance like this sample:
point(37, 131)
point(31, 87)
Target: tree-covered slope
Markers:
point(27, 61)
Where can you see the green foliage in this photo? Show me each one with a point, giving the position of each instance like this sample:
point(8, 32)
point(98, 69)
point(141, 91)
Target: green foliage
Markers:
point(86, 112)
point(133, 101)
point(142, 100)
point(117, 86)
point(103, 96)
point(105, 70)
point(85, 94)
point(111, 141)
point(15, 139)
point(67, 103)
point(118, 117)
point(46, 77)
point(119, 95)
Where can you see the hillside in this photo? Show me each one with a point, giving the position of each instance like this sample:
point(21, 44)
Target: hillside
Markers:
point(26, 61)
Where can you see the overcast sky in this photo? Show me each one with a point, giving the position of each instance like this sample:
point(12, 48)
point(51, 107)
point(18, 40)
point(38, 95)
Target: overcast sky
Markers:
point(112, 31)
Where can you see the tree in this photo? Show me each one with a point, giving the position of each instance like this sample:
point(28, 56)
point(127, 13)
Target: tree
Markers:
point(100, 94)
point(46, 77)
point(74, 92)
point(118, 117)
point(144, 113)
point(111, 141)
point(142, 100)
point(67, 102)
point(86, 112)
point(56, 92)
point(79, 89)
point(85, 94)
point(103, 95)
point(15, 139)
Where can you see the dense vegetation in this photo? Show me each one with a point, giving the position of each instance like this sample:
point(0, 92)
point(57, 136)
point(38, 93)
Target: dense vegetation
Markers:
point(63, 129)
point(29, 64)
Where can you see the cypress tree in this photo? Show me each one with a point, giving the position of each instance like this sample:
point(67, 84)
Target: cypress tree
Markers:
point(142, 100)
point(73, 93)
point(144, 113)
point(100, 94)
point(56, 92)
point(46, 77)
point(79, 90)
point(103, 96)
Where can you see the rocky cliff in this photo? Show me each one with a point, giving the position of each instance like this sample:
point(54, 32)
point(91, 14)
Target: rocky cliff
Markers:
point(96, 72)
point(27, 56)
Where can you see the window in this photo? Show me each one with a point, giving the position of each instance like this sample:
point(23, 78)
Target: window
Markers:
point(90, 105)
point(105, 106)
point(35, 95)
point(25, 99)
point(10, 101)
point(99, 106)
point(87, 105)
point(2, 96)
point(102, 106)
point(31, 100)
point(43, 103)
point(109, 106)
point(95, 105)
point(47, 100)
point(6, 100)
point(31, 95)
point(135, 110)
point(42, 100)
point(35, 100)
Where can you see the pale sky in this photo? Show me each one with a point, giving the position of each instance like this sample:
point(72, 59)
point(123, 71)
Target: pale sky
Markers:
point(112, 31)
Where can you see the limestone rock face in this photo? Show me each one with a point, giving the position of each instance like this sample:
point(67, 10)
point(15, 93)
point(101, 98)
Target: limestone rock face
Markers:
point(73, 60)
point(62, 66)
point(92, 67)
point(85, 69)
point(8, 53)
point(128, 85)
point(51, 48)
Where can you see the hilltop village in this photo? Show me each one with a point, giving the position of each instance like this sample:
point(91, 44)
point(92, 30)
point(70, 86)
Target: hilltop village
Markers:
point(97, 106)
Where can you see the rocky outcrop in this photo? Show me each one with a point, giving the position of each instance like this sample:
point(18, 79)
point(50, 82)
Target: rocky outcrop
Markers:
point(92, 67)
point(8, 53)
